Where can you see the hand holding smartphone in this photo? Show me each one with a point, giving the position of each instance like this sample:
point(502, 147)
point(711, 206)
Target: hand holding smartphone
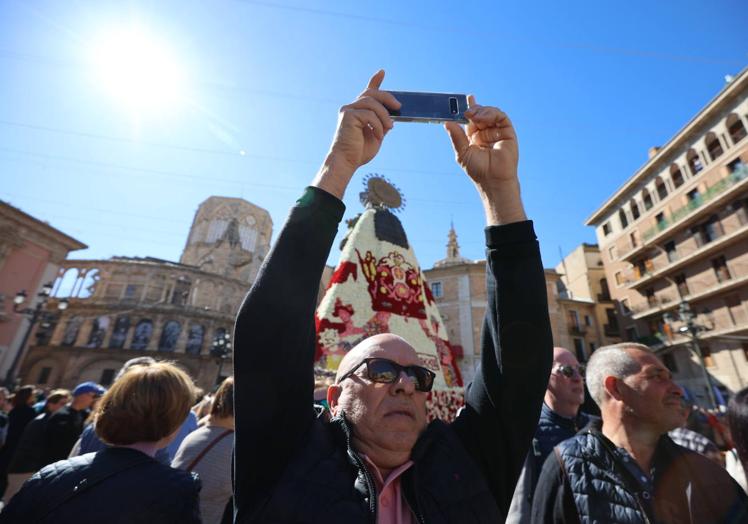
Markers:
point(429, 107)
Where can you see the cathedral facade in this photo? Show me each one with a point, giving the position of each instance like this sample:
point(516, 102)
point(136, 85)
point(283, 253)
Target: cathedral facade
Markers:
point(127, 307)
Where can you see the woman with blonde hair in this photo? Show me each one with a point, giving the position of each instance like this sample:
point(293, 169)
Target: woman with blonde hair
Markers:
point(140, 414)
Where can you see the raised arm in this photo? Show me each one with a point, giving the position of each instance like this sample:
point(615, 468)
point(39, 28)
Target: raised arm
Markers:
point(274, 332)
point(503, 401)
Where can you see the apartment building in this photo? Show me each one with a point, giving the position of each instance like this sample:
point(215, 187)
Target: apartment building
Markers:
point(459, 289)
point(677, 231)
point(583, 286)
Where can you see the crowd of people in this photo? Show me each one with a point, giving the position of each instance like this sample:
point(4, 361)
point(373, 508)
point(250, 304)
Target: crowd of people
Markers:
point(150, 449)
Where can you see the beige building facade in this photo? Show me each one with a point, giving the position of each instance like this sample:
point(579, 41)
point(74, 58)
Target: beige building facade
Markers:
point(459, 289)
point(583, 279)
point(127, 307)
point(677, 231)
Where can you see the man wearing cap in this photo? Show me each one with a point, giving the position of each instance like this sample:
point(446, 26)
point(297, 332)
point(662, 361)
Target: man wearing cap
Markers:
point(65, 425)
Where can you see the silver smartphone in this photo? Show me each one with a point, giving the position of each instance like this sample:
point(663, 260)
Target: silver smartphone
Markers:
point(430, 107)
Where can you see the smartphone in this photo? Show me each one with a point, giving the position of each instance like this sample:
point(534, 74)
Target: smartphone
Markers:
point(430, 107)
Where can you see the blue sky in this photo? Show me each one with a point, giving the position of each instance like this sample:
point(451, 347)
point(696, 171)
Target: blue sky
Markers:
point(590, 87)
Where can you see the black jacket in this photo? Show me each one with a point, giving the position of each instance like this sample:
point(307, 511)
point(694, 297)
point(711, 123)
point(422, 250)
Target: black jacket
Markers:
point(18, 418)
point(585, 480)
point(115, 486)
point(62, 430)
point(474, 462)
point(29, 454)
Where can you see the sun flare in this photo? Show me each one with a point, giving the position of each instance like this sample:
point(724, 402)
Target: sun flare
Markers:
point(140, 71)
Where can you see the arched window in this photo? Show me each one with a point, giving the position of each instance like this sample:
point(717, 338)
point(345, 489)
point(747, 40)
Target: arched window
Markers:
point(181, 294)
point(89, 283)
point(647, 199)
point(98, 330)
point(735, 128)
point(622, 217)
point(634, 209)
point(66, 283)
point(71, 331)
point(142, 335)
point(121, 327)
point(195, 339)
point(713, 146)
point(676, 175)
point(169, 336)
point(694, 162)
point(661, 188)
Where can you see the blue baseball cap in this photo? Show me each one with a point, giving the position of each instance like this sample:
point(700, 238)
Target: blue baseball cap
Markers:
point(88, 387)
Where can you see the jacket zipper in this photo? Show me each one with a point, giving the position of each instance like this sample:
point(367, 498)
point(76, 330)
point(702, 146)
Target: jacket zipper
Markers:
point(641, 507)
point(367, 476)
point(419, 515)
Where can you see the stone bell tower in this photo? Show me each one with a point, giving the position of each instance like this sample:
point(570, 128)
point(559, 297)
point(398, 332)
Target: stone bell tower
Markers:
point(229, 237)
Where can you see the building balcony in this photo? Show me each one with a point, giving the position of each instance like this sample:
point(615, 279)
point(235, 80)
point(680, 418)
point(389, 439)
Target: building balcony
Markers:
point(604, 297)
point(657, 271)
point(716, 196)
point(611, 331)
point(577, 330)
point(667, 303)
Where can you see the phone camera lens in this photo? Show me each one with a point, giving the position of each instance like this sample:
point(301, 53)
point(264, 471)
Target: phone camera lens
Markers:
point(453, 105)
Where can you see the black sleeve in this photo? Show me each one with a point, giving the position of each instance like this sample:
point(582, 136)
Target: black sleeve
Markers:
point(503, 401)
point(553, 502)
point(190, 511)
point(274, 349)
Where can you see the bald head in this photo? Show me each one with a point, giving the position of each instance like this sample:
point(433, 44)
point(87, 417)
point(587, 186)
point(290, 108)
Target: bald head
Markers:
point(384, 345)
point(564, 356)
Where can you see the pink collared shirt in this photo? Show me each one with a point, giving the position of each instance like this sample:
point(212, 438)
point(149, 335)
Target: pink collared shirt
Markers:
point(392, 508)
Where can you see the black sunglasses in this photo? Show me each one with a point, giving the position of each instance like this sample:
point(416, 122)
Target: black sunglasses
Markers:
point(386, 371)
point(570, 371)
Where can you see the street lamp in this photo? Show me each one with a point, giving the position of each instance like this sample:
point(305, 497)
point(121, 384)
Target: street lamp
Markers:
point(221, 351)
point(692, 330)
point(34, 315)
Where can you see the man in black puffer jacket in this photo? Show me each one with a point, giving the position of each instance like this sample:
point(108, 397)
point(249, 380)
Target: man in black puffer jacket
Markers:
point(560, 419)
point(377, 460)
point(628, 470)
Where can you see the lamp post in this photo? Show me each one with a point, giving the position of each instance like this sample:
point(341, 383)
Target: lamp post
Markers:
point(33, 314)
point(221, 351)
point(692, 329)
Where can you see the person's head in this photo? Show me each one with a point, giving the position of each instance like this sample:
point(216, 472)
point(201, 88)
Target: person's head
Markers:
point(24, 396)
point(565, 391)
point(85, 394)
point(386, 417)
point(737, 420)
point(139, 361)
point(223, 402)
point(633, 387)
point(148, 404)
point(56, 399)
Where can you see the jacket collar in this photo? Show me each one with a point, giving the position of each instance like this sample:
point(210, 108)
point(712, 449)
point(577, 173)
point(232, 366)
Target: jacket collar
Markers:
point(549, 416)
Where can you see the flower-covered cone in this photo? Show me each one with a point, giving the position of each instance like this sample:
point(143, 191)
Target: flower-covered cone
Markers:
point(378, 287)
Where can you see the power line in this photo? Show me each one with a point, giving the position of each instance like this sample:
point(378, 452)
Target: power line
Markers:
point(172, 173)
point(505, 35)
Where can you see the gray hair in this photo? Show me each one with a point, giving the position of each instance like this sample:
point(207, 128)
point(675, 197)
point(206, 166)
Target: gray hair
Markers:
point(138, 361)
point(611, 361)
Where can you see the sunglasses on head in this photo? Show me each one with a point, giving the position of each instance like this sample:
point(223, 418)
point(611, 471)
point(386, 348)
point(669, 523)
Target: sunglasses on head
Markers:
point(570, 371)
point(386, 371)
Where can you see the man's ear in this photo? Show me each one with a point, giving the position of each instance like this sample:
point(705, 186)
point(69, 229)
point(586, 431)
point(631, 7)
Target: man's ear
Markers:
point(333, 394)
point(612, 387)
